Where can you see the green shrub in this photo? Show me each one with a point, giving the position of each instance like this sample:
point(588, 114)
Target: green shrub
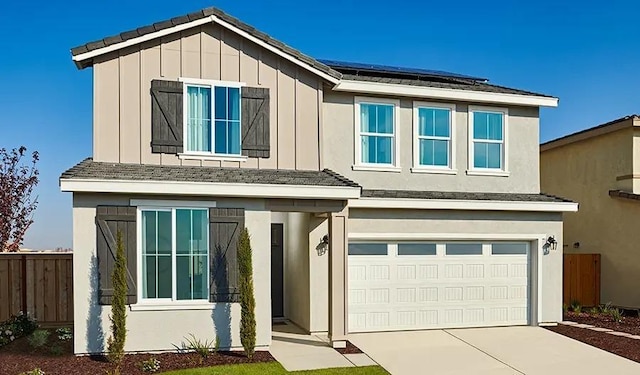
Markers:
point(56, 350)
point(576, 307)
point(616, 314)
point(17, 326)
point(606, 308)
point(247, 298)
point(64, 334)
point(594, 311)
point(35, 371)
point(150, 365)
point(39, 338)
point(201, 347)
point(565, 308)
point(115, 343)
point(217, 345)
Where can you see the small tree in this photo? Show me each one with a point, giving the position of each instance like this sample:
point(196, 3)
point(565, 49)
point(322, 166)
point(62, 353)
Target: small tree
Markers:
point(17, 181)
point(115, 343)
point(247, 299)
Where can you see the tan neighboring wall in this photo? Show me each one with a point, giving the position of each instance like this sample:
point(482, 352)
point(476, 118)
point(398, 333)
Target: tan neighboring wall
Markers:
point(122, 102)
point(585, 171)
point(522, 146)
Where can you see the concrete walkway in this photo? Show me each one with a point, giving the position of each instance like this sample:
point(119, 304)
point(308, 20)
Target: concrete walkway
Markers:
point(484, 351)
point(296, 350)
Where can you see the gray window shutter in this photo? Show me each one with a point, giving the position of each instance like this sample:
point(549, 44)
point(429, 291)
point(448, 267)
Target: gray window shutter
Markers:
point(255, 122)
point(225, 225)
point(110, 220)
point(166, 117)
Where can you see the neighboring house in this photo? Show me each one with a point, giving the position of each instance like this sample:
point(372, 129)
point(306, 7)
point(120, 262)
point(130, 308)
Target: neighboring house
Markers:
point(600, 168)
point(377, 198)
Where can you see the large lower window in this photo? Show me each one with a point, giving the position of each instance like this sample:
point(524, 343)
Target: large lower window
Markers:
point(488, 129)
point(175, 254)
point(434, 137)
point(212, 119)
point(376, 133)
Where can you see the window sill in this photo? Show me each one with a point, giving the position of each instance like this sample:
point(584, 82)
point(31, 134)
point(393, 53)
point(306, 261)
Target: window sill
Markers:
point(240, 158)
point(172, 306)
point(496, 173)
point(377, 168)
point(433, 170)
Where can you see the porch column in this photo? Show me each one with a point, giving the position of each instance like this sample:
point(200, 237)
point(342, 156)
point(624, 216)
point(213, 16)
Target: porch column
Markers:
point(338, 278)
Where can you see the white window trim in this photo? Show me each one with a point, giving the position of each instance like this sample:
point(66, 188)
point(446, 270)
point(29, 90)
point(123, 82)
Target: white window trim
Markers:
point(150, 304)
point(357, 157)
point(204, 155)
point(417, 168)
point(500, 172)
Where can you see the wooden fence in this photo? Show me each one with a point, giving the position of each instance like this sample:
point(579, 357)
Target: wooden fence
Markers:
point(581, 279)
point(39, 283)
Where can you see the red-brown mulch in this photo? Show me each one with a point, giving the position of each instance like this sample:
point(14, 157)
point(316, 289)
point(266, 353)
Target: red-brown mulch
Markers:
point(350, 349)
point(18, 357)
point(629, 324)
point(622, 346)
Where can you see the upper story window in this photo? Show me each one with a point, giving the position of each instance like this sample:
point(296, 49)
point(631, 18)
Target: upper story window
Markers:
point(212, 118)
point(433, 143)
point(376, 134)
point(487, 148)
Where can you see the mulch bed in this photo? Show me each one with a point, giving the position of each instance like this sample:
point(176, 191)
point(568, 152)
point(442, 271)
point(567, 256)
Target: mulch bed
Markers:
point(18, 357)
point(629, 324)
point(350, 349)
point(622, 346)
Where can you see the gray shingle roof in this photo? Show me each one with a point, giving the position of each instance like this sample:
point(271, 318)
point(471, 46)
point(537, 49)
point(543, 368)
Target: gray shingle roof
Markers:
point(89, 169)
point(144, 30)
point(457, 84)
point(505, 197)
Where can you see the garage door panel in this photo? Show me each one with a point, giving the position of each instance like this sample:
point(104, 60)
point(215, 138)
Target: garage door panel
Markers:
point(394, 292)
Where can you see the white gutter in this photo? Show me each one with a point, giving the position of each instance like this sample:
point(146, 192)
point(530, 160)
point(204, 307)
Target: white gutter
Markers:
point(209, 189)
point(469, 205)
point(442, 93)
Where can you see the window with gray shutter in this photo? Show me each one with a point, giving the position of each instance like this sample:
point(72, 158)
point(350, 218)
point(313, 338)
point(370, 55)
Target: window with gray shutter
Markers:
point(255, 122)
point(109, 221)
point(166, 117)
point(225, 225)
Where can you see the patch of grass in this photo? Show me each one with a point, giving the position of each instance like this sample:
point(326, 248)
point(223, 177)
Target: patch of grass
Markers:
point(274, 368)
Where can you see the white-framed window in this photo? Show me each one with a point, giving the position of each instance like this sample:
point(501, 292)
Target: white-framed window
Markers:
point(434, 144)
point(212, 118)
point(173, 262)
point(376, 134)
point(488, 140)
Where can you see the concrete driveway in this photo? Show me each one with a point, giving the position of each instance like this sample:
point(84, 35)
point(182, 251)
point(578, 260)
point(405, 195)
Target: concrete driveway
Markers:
point(495, 351)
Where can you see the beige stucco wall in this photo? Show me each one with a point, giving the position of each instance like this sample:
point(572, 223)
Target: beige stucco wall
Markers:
point(584, 172)
point(522, 144)
point(122, 102)
point(428, 225)
point(160, 330)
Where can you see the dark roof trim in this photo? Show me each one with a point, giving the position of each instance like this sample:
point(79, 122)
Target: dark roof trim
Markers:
point(201, 14)
point(601, 129)
point(454, 195)
point(623, 194)
point(91, 170)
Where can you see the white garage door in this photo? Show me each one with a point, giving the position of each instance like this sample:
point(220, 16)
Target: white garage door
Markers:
point(405, 286)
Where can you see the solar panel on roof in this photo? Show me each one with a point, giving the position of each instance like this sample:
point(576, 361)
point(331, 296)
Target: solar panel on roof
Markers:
point(373, 68)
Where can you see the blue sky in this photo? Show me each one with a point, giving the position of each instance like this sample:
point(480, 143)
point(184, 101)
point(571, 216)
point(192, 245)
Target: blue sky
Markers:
point(580, 51)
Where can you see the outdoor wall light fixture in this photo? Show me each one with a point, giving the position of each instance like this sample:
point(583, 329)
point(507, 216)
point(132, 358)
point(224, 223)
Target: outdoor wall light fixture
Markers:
point(551, 243)
point(323, 246)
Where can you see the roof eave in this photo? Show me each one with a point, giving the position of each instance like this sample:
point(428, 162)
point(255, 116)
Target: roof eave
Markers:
point(465, 205)
point(444, 93)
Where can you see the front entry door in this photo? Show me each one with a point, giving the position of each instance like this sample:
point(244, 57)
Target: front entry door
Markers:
point(277, 271)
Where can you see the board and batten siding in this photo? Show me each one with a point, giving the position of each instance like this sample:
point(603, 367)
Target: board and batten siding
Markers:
point(122, 103)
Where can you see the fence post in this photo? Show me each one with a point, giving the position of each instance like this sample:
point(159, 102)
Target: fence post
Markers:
point(24, 283)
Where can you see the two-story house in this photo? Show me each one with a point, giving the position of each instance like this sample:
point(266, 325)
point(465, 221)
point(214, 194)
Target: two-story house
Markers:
point(377, 198)
point(600, 168)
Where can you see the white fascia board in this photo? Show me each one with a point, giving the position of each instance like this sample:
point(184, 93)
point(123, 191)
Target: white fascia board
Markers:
point(469, 205)
point(185, 26)
point(441, 93)
point(131, 42)
point(208, 189)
